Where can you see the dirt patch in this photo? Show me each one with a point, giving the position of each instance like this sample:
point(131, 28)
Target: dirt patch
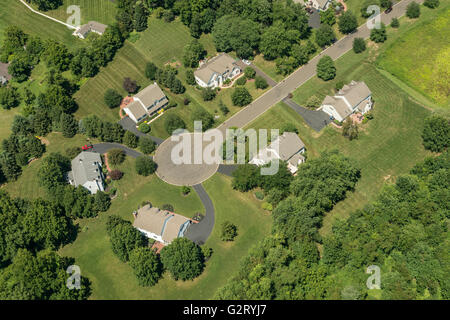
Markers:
point(175, 64)
point(45, 141)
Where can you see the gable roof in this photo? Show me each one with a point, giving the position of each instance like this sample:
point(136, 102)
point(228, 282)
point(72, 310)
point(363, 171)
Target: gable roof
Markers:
point(151, 95)
point(86, 167)
point(164, 223)
point(339, 105)
point(4, 72)
point(92, 26)
point(322, 3)
point(219, 64)
point(287, 145)
point(136, 109)
point(355, 92)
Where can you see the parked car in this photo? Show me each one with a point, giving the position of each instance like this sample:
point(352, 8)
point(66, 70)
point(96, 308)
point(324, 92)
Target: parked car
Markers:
point(246, 62)
point(87, 147)
point(388, 10)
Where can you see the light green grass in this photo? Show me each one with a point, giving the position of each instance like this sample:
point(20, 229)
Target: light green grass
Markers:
point(421, 57)
point(113, 279)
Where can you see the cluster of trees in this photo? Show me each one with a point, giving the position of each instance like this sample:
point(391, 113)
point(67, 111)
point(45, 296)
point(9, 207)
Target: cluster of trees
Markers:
point(30, 232)
point(286, 264)
point(46, 5)
point(132, 15)
point(436, 133)
point(94, 127)
point(183, 259)
point(166, 77)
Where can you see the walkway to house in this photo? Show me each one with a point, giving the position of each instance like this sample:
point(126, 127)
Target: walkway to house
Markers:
point(125, 101)
point(48, 17)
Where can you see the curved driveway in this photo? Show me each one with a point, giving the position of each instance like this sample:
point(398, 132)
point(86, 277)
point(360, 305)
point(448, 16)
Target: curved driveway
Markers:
point(106, 146)
point(199, 232)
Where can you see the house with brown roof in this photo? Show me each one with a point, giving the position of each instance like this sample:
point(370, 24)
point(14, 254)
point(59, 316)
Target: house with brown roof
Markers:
point(146, 103)
point(91, 26)
point(4, 74)
point(355, 97)
point(160, 225)
point(216, 71)
point(288, 147)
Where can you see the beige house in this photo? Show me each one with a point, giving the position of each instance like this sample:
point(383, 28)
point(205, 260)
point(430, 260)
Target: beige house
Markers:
point(4, 75)
point(146, 103)
point(91, 26)
point(87, 172)
point(287, 147)
point(354, 97)
point(216, 71)
point(161, 225)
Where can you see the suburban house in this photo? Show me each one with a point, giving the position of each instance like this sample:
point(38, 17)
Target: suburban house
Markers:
point(287, 147)
point(87, 172)
point(161, 225)
point(214, 72)
point(320, 5)
point(354, 97)
point(146, 103)
point(4, 75)
point(91, 26)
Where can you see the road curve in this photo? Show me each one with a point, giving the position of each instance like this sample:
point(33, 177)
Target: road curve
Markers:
point(200, 232)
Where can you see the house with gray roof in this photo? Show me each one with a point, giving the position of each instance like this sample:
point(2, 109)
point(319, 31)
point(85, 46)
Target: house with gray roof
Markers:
point(161, 225)
point(4, 74)
point(288, 147)
point(91, 26)
point(87, 172)
point(216, 71)
point(320, 5)
point(355, 97)
point(146, 103)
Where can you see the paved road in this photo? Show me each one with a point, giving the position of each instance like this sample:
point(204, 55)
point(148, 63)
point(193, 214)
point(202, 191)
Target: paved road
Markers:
point(306, 72)
point(199, 232)
point(106, 146)
point(129, 125)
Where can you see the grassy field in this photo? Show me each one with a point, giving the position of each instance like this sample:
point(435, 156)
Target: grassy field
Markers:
point(112, 279)
point(388, 145)
point(130, 62)
point(421, 58)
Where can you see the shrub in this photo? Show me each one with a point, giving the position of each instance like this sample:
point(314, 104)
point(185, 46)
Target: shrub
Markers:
point(130, 139)
point(207, 252)
point(326, 69)
point(223, 108)
point(116, 174)
point(144, 128)
point(208, 94)
point(359, 45)
point(241, 81)
point(146, 145)
point(313, 102)
point(395, 23)
point(436, 133)
point(112, 98)
point(339, 85)
point(378, 35)
point(190, 77)
point(229, 231)
point(168, 15)
point(431, 3)
point(116, 156)
point(150, 71)
point(185, 190)
point(267, 206)
point(241, 97)
point(260, 83)
point(145, 166)
point(250, 73)
point(186, 101)
point(259, 195)
point(413, 10)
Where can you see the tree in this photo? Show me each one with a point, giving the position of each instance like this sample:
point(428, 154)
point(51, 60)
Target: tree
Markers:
point(395, 23)
point(328, 16)
point(20, 68)
point(229, 231)
point(146, 145)
point(144, 127)
point(313, 102)
point(145, 166)
point(378, 34)
point(436, 133)
point(146, 266)
point(53, 171)
point(250, 73)
point(347, 22)
point(173, 122)
point(245, 177)
point(45, 5)
point(68, 124)
point(9, 168)
point(140, 17)
point(350, 129)
point(9, 97)
point(56, 55)
point(208, 94)
point(274, 42)
point(130, 139)
point(116, 156)
point(241, 97)
point(206, 119)
point(124, 239)
point(193, 52)
point(102, 201)
point(183, 259)
point(325, 36)
point(326, 69)
point(386, 3)
point(129, 85)
point(260, 83)
point(150, 71)
point(112, 98)
point(431, 3)
point(413, 10)
point(190, 77)
point(359, 45)
point(116, 174)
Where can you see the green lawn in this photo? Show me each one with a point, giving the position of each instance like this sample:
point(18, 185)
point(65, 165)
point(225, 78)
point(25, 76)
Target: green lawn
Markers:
point(113, 279)
point(389, 145)
point(421, 58)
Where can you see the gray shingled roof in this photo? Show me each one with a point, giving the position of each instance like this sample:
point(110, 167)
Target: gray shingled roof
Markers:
point(219, 64)
point(355, 92)
point(86, 167)
point(150, 95)
point(4, 75)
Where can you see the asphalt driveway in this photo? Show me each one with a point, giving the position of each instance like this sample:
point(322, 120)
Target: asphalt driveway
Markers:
point(129, 125)
point(106, 146)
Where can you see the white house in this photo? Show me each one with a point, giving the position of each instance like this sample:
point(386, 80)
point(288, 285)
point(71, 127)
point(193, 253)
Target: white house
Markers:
point(160, 225)
point(146, 103)
point(287, 147)
point(91, 26)
point(320, 5)
point(4, 75)
point(354, 97)
point(87, 172)
point(216, 71)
